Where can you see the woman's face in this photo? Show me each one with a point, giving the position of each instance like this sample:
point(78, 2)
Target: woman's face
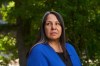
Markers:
point(53, 28)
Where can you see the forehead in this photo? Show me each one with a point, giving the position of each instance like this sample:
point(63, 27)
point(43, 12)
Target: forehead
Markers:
point(51, 17)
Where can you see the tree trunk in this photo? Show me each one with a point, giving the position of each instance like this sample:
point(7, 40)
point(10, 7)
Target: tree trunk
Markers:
point(20, 43)
point(20, 37)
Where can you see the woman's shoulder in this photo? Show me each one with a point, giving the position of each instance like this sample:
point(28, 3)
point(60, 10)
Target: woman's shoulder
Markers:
point(38, 46)
point(69, 45)
point(70, 48)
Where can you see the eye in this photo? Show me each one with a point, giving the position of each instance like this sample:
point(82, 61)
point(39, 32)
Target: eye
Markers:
point(48, 23)
point(57, 23)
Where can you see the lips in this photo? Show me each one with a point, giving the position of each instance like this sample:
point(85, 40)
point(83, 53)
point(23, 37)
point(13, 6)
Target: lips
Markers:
point(53, 33)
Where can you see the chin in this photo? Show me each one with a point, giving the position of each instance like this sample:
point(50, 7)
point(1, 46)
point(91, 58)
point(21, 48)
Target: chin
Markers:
point(54, 38)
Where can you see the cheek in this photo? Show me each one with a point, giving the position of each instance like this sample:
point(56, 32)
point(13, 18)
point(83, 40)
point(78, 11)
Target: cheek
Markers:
point(60, 30)
point(47, 31)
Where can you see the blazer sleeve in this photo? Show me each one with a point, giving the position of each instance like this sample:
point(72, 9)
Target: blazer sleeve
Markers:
point(74, 56)
point(36, 58)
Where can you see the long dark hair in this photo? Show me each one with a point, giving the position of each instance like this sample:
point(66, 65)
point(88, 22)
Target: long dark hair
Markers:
point(43, 38)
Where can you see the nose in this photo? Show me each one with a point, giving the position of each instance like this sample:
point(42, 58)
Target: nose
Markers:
point(53, 27)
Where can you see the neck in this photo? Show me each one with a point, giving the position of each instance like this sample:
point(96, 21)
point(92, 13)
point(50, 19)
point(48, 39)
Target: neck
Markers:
point(54, 42)
point(55, 45)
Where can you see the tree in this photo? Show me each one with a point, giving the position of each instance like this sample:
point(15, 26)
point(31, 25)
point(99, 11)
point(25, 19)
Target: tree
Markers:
point(81, 20)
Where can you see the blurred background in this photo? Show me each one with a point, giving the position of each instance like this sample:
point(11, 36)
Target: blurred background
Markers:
point(20, 21)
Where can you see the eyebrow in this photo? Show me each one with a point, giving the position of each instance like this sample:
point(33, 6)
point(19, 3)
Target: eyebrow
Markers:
point(51, 21)
point(48, 21)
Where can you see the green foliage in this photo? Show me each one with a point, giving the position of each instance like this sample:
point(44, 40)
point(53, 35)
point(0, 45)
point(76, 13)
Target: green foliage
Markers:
point(5, 9)
point(7, 48)
point(82, 22)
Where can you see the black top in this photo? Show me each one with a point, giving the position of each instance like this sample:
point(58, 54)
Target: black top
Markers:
point(68, 61)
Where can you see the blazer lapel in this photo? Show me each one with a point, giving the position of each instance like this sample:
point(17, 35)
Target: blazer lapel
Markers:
point(55, 56)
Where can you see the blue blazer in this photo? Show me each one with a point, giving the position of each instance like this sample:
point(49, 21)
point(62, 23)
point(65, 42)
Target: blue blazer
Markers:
point(44, 55)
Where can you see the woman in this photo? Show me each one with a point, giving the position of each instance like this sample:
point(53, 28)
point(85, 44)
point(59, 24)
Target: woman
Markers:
point(51, 48)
